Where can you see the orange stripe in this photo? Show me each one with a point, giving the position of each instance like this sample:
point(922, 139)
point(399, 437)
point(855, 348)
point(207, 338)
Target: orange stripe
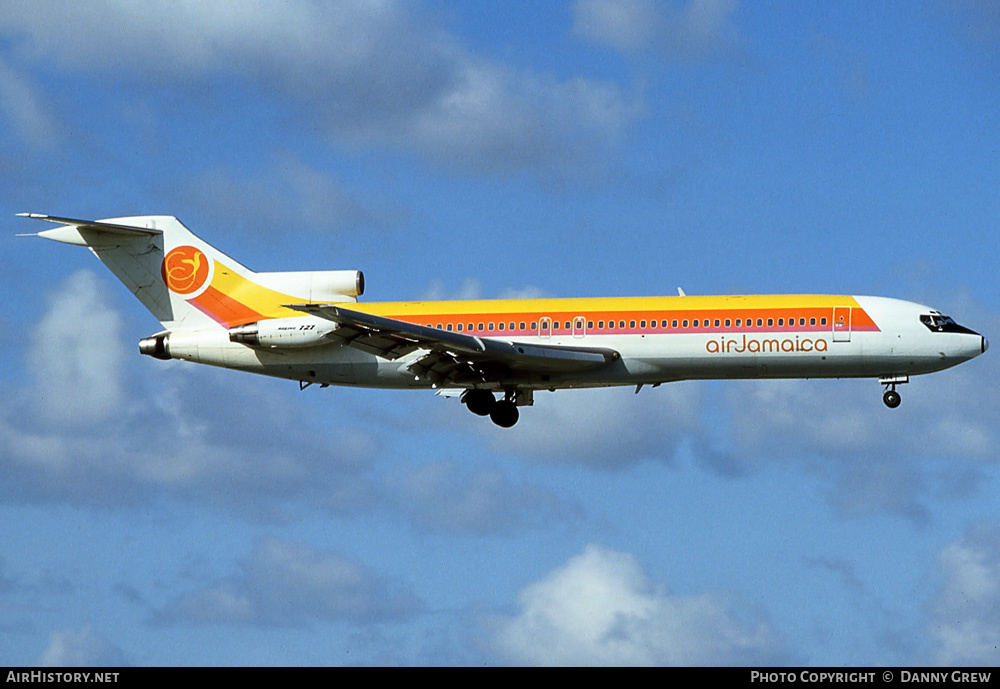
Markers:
point(225, 309)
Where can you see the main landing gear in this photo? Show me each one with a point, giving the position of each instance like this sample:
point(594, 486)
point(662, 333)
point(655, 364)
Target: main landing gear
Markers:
point(503, 412)
point(891, 397)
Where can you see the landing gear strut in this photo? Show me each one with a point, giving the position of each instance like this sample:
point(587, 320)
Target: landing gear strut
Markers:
point(891, 397)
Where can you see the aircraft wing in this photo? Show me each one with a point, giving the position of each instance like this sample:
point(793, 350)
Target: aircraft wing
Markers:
point(453, 357)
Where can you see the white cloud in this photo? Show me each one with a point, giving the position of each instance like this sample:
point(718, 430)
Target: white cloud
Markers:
point(288, 193)
point(76, 432)
point(80, 648)
point(286, 583)
point(76, 353)
point(22, 105)
point(875, 458)
point(364, 73)
point(965, 616)
point(690, 30)
point(600, 608)
point(608, 428)
point(625, 26)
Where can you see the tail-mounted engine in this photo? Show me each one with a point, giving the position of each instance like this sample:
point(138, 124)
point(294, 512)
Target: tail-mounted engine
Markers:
point(156, 346)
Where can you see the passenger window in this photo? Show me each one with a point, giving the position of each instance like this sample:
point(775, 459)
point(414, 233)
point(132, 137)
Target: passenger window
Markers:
point(770, 322)
point(812, 321)
point(449, 327)
point(500, 326)
point(822, 321)
point(479, 327)
point(600, 325)
point(685, 323)
point(567, 325)
point(739, 322)
point(716, 322)
point(781, 322)
point(611, 325)
point(728, 322)
point(522, 325)
point(760, 322)
point(631, 324)
point(642, 324)
point(490, 326)
point(534, 325)
point(459, 327)
point(590, 325)
point(511, 326)
point(621, 324)
point(673, 323)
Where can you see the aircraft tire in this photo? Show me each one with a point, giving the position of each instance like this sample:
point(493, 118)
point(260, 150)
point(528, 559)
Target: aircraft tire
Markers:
point(480, 402)
point(891, 399)
point(504, 414)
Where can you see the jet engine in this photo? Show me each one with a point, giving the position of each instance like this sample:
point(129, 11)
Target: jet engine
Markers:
point(299, 331)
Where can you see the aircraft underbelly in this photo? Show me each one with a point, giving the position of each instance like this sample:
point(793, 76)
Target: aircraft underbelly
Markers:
point(648, 360)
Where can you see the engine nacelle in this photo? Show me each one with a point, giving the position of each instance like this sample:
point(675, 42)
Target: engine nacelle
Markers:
point(299, 331)
point(317, 285)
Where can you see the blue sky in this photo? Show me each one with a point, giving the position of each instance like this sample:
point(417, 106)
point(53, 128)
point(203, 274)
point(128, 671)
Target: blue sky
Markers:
point(160, 513)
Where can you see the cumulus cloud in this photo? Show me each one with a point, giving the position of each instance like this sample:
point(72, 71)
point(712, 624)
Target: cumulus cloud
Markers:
point(605, 428)
point(76, 353)
point(286, 583)
point(601, 608)
point(23, 107)
point(690, 30)
point(965, 615)
point(875, 459)
point(77, 433)
point(364, 73)
point(80, 648)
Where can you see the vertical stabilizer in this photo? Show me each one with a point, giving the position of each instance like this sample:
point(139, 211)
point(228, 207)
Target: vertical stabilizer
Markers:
point(161, 262)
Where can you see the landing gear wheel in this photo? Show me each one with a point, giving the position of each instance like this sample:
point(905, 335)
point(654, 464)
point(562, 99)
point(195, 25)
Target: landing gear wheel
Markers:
point(504, 414)
point(480, 402)
point(891, 399)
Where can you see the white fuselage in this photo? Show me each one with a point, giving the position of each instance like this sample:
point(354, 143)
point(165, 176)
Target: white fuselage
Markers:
point(900, 346)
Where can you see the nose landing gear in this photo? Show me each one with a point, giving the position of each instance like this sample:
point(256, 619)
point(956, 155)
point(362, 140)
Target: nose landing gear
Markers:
point(891, 397)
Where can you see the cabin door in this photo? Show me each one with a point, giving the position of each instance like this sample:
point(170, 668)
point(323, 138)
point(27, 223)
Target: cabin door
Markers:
point(841, 323)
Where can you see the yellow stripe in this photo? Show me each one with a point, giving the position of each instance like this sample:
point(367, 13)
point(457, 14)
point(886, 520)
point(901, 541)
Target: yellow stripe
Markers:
point(402, 309)
point(264, 301)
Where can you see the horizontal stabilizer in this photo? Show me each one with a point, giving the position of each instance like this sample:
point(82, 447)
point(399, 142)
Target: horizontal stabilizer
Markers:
point(94, 225)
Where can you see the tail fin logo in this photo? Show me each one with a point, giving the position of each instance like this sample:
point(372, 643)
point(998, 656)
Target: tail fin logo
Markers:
point(186, 270)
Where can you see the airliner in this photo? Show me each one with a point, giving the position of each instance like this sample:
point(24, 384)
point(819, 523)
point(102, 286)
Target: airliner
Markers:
point(495, 354)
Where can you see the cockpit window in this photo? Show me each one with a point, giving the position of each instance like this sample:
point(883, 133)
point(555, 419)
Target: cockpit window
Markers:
point(939, 323)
